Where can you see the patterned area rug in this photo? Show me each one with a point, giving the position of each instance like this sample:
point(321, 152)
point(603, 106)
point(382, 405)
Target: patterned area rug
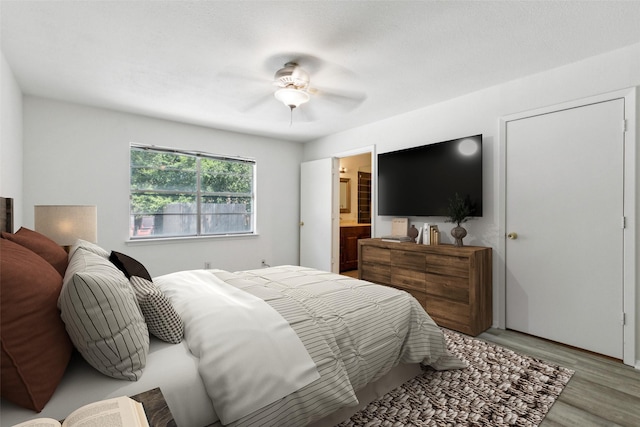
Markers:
point(499, 388)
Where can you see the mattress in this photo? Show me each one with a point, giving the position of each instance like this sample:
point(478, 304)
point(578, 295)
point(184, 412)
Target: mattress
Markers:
point(171, 367)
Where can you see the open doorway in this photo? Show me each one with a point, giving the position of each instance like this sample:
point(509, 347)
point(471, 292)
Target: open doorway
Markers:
point(356, 207)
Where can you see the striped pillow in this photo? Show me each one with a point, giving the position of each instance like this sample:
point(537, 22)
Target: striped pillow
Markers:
point(162, 319)
point(91, 247)
point(102, 317)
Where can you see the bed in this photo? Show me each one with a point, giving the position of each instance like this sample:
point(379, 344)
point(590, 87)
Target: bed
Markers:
point(333, 344)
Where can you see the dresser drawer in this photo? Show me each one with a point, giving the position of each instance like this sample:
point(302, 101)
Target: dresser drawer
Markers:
point(450, 314)
point(376, 273)
point(408, 279)
point(374, 255)
point(449, 287)
point(409, 260)
point(448, 265)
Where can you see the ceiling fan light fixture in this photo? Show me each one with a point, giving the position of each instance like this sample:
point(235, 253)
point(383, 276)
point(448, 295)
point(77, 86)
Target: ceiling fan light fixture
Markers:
point(291, 97)
point(291, 76)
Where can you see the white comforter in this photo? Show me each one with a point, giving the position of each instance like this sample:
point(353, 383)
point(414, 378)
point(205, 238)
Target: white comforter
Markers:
point(248, 354)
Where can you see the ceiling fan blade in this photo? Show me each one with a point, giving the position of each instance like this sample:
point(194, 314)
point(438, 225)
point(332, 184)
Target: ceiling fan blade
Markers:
point(338, 94)
point(306, 113)
point(348, 99)
point(239, 86)
point(241, 76)
point(259, 102)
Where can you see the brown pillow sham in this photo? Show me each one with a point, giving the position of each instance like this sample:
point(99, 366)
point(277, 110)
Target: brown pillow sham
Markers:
point(53, 253)
point(35, 346)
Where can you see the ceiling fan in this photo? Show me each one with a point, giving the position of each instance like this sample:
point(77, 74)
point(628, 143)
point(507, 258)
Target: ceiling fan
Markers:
point(293, 82)
point(293, 87)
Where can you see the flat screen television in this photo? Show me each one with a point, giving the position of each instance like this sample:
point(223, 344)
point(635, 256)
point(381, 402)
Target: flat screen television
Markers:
point(420, 181)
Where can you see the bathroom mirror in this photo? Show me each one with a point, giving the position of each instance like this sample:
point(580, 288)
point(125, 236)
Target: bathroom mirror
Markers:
point(345, 195)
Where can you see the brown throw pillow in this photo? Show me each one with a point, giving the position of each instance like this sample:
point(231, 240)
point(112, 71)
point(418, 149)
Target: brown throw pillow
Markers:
point(53, 253)
point(129, 266)
point(35, 346)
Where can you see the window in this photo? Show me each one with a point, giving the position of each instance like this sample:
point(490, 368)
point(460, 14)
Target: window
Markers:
point(180, 193)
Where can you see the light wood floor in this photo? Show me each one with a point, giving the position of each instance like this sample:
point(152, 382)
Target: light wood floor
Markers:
point(602, 392)
point(351, 273)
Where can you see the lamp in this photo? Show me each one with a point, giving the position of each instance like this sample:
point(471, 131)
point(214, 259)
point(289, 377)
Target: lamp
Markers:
point(291, 97)
point(65, 224)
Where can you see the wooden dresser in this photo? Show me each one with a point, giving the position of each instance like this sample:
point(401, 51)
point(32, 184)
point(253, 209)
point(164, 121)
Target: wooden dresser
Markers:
point(452, 283)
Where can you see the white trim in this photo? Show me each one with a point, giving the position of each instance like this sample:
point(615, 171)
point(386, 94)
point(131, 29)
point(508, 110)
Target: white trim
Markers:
point(629, 211)
point(356, 151)
point(630, 232)
point(335, 215)
point(163, 240)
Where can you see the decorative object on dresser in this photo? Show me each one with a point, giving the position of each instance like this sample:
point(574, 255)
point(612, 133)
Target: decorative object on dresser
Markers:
point(433, 235)
point(452, 283)
point(413, 233)
point(399, 230)
point(397, 239)
point(425, 234)
point(419, 239)
point(399, 226)
point(459, 211)
point(430, 235)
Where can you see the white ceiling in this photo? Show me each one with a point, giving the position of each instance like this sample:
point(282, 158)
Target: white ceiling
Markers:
point(211, 62)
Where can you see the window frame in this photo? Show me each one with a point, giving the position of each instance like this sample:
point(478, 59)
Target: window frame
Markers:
point(199, 194)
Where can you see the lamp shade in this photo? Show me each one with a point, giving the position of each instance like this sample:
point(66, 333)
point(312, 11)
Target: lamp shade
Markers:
point(65, 224)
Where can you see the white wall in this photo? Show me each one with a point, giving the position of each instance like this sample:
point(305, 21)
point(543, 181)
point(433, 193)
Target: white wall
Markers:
point(75, 154)
point(479, 112)
point(11, 140)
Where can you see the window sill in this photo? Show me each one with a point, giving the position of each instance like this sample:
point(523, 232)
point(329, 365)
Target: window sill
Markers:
point(180, 239)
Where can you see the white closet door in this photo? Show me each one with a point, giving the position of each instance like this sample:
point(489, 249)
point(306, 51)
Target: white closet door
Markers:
point(564, 199)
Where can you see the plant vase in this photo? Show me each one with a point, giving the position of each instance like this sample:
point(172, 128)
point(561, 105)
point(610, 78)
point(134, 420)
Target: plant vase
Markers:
point(458, 233)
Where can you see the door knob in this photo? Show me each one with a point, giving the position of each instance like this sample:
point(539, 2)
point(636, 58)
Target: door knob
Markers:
point(512, 235)
point(301, 223)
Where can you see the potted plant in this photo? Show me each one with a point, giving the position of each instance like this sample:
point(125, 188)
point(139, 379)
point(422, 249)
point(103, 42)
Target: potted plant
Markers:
point(458, 213)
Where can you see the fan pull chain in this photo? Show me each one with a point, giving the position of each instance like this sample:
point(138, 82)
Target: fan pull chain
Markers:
point(291, 116)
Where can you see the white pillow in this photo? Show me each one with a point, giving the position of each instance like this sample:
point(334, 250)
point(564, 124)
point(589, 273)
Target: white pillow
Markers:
point(102, 316)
